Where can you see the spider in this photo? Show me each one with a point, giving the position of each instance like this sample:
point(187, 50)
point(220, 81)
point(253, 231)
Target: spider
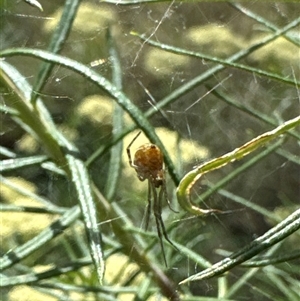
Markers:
point(148, 163)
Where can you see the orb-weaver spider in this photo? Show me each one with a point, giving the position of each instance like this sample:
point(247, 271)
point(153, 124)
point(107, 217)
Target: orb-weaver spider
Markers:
point(148, 163)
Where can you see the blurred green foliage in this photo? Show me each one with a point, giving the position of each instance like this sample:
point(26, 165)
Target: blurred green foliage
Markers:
point(194, 126)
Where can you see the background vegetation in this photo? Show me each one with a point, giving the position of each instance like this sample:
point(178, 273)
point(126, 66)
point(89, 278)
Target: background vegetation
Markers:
point(78, 79)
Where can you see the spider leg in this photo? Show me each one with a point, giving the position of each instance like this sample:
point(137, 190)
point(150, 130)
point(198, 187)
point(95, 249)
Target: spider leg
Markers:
point(164, 188)
point(161, 193)
point(148, 209)
point(128, 149)
point(159, 222)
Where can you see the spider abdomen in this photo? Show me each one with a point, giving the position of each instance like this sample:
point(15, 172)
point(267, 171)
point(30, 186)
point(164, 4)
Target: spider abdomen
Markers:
point(148, 163)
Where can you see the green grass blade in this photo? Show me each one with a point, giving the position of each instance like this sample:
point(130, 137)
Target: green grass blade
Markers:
point(287, 227)
point(11, 164)
point(58, 40)
point(115, 162)
point(228, 62)
point(262, 21)
point(29, 117)
point(49, 273)
point(268, 260)
point(82, 184)
point(55, 229)
point(13, 208)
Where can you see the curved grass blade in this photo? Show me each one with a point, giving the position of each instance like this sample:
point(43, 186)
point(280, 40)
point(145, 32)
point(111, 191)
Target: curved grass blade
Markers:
point(184, 188)
point(106, 85)
point(238, 170)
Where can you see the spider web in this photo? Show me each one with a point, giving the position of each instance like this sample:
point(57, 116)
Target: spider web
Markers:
point(223, 111)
